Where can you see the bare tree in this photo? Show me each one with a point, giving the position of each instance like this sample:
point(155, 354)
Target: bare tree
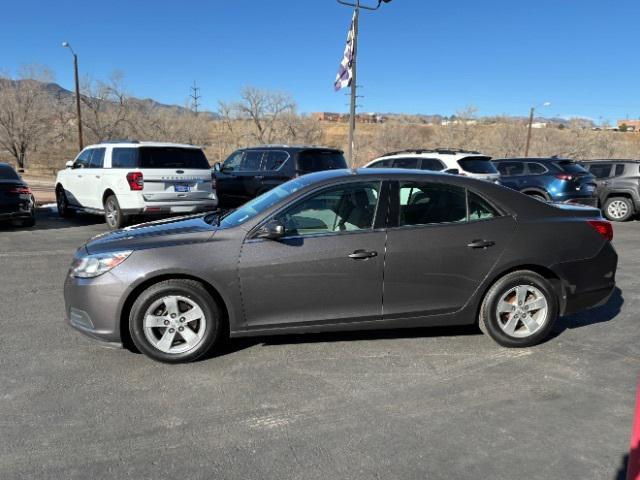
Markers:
point(24, 110)
point(107, 108)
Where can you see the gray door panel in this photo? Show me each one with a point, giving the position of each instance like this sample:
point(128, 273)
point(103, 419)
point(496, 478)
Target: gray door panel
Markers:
point(302, 280)
point(431, 269)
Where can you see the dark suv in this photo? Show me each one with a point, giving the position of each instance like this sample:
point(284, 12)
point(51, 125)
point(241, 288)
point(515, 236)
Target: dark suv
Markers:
point(549, 179)
point(250, 172)
point(618, 187)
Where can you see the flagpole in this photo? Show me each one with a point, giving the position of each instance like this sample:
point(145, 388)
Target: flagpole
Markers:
point(354, 86)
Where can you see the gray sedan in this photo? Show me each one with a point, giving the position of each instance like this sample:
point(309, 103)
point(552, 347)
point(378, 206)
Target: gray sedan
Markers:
point(345, 250)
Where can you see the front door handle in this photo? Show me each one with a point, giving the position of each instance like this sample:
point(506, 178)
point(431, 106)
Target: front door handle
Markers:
point(362, 255)
point(481, 243)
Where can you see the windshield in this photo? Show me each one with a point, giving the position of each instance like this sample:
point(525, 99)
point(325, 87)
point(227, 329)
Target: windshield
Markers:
point(477, 165)
point(8, 173)
point(261, 203)
point(318, 160)
point(570, 166)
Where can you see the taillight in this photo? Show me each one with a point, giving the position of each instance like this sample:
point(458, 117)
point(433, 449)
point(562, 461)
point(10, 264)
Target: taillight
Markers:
point(214, 182)
point(135, 180)
point(20, 190)
point(564, 176)
point(603, 227)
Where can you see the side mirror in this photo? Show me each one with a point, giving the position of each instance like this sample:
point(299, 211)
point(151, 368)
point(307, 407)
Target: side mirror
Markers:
point(452, 171)
point(272, 230)
point(217, 167)
point(69, 164)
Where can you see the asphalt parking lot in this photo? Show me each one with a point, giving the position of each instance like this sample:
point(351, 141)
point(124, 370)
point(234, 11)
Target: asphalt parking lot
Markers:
point(429, 403)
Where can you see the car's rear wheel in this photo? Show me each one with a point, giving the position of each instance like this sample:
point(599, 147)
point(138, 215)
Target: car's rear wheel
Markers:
point(618, 209)
point(175, 321)
point(538, 196)
point(113, 214)
point(519, 310)
point(63, 203)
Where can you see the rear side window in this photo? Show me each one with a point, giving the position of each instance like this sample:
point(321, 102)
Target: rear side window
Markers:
point(274, 159)
point(479, 208)
point(124, 158)
point(511, 169)
point(536, 168)
point(432, 164)
point(8, 173)
point(619, 169)
point(429, 203)
point(600, 170)
point(477, 165)
point(318, 160)
point(173, 157)
point(570, 166)
point(97, 158)
point(406, 162)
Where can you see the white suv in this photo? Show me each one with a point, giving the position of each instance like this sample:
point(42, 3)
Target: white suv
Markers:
point(123, 179)
point(461, 162)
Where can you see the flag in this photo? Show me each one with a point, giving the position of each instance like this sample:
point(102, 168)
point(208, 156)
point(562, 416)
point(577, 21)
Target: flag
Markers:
point(345, 72)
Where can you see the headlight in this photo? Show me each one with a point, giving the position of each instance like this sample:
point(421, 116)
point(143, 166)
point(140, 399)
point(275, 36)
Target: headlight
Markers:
point(89, 266)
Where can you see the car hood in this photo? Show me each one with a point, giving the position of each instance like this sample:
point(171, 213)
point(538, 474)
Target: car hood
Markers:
point(161, 233)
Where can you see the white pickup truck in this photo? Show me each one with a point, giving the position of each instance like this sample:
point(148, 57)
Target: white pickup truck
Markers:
point(125, 179)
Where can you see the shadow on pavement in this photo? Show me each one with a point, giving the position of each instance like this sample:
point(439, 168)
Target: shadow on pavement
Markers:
point(601, 314)
point(48, 219)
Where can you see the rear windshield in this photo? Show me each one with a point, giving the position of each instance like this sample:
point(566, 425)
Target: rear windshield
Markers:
point(570, 166)
point(318, 160)
point(477, 165)
point(159, 157)
point(8, 173)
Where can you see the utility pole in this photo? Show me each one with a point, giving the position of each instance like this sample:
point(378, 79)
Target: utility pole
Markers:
point(354, 88)
point(78, 111)
point(195, 97)
point(526, 148)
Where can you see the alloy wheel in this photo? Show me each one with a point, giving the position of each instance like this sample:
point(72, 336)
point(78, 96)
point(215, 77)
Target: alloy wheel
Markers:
point(617, 209)
point(111, 213)
point(522, 311)
point(174, 324)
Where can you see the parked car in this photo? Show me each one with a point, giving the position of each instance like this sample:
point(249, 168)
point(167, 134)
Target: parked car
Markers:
point(123, 179)
point(315, 254)
point(249, 172)
point(17, 203)
point(549, 179)
point(618, 187)
point(460, 162)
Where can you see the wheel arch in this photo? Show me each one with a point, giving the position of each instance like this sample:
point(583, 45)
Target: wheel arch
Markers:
point(107, 193)
point(545, 272)
point(125, 335)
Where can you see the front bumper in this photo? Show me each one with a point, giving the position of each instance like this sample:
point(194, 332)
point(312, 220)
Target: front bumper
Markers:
point(92, 306)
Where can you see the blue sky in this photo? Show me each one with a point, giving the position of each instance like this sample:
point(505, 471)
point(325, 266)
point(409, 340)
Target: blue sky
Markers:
point(416, 56)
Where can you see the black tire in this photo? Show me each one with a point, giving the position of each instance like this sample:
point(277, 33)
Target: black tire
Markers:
point(194, 292)
point(113, 215)
point(538, 196)
point(618, 209)
point(490, 322)
point(63, 204)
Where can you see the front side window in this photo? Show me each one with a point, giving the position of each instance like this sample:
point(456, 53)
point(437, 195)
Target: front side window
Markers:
point(339, 209)
point(97, 158)
point(619, 169)
point(233, 162)
point(381, 164)
point(251, 160)
point(124, 157)
point(83, 159)
point(429, 203)
point(511, 169)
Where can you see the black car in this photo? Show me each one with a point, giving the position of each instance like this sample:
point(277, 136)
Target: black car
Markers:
point(345, 250)
point(618, 187)
point(249, 172)
point(17, 203)
point(551, 179)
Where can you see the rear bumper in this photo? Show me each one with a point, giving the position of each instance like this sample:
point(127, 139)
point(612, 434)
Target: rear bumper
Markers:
point(588, 283)
point(167, 208)
point(589, 201)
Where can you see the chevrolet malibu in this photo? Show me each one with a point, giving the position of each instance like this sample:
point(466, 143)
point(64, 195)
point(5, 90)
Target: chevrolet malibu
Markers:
point(345, 250)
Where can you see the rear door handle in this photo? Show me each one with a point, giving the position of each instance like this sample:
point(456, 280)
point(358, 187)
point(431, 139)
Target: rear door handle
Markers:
point(481, 244)
point(362, 255)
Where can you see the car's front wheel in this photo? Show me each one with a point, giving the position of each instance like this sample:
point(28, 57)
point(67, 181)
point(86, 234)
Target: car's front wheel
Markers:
point(519, 310)
point(618, 209)
point(175, 321)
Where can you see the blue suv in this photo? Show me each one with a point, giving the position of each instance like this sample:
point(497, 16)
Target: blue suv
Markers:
point(549, 179)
